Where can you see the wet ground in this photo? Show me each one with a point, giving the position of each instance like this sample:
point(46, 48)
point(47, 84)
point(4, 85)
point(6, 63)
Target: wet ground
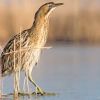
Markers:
point(71, 71)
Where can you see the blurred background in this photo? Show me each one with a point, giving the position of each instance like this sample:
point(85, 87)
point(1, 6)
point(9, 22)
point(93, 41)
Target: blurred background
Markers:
point(77, 21)
point(69, 68)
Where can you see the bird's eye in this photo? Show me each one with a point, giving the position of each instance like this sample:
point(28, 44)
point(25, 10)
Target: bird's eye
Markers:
point(50, 6)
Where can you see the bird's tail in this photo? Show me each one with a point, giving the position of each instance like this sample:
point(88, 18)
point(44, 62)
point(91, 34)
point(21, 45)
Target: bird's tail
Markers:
point(1, 50)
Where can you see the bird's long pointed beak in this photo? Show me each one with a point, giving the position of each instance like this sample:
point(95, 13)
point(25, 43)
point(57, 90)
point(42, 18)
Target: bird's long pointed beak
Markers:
point(58, 4)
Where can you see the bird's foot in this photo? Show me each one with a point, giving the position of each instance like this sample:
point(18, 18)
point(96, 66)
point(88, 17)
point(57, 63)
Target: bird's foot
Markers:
point(17, 92)
point(39, 91)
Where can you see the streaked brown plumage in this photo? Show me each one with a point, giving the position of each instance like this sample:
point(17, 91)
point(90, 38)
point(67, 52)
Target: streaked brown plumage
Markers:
point(34, 37)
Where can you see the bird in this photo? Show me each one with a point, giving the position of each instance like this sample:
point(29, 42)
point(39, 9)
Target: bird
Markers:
point(32, 41)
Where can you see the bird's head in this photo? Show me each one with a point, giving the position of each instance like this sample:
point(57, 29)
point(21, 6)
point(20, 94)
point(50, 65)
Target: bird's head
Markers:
point(46, 9)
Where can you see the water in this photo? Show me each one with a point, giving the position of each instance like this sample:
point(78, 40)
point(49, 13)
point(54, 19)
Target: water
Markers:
point(72, 71)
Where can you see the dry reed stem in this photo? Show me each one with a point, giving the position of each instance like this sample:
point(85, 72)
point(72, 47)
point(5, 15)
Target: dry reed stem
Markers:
point(25, 49)
point(15, 73)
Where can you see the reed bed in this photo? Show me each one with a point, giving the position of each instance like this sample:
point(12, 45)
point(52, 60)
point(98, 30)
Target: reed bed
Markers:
point(79, 20)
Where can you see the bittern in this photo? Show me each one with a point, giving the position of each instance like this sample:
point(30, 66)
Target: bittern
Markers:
point(32, 40)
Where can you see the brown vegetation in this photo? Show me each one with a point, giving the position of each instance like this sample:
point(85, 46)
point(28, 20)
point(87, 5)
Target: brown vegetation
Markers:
point(76, 21)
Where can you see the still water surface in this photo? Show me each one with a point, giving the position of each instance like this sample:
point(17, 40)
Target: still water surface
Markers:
point(72, 71)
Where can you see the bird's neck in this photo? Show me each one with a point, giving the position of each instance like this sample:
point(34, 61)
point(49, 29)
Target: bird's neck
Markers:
point(39, 31)
point(40, 23)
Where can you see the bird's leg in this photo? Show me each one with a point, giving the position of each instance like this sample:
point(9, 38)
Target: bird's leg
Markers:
point(17, 82)
point(26, 81)
point(24, 84)
point(38, 89)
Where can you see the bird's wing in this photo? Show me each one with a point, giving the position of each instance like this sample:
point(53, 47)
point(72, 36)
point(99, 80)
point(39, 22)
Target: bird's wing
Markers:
point(7, 59)
point(10, 45)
